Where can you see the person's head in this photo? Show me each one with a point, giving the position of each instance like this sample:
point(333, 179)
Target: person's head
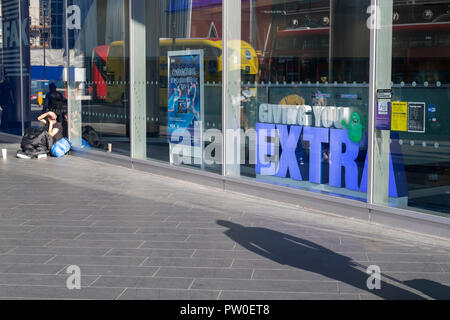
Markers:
point(52, 87)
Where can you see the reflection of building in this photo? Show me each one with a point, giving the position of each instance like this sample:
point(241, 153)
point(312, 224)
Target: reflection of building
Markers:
point(1, 28)
point(40, 23)
point(57, 22)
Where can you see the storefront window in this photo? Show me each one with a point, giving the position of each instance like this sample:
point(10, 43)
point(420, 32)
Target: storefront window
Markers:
point(416, 120)
point(303, 116)
point(15, 66)
point(99, 74)
point(183, 91)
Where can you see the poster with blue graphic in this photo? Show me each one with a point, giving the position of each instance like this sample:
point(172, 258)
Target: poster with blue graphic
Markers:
point(185, 100)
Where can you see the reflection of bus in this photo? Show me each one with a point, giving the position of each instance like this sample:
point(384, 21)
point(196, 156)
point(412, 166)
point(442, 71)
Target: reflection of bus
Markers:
point(420, 53)
point(299, 55)
point(99, 57)
point(109, 72)
point(212, 52)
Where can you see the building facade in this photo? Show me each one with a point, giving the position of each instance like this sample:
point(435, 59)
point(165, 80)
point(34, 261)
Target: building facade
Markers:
point(328, 101)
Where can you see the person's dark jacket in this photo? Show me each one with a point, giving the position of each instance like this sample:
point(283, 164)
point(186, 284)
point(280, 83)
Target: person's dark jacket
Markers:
point(54, 101)
point(92, 138)
point(36, 141)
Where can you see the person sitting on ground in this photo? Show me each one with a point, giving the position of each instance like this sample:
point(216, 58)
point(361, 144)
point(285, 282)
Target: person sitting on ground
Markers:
point(37, 142)
point(54, 128)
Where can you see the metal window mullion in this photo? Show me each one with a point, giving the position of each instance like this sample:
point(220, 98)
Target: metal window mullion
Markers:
point(132, 74)
point(21, 69)
point(67, 65)
point(372, 105)
point(225, 14)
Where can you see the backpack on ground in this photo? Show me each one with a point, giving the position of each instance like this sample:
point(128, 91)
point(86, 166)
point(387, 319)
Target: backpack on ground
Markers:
point(61, 148)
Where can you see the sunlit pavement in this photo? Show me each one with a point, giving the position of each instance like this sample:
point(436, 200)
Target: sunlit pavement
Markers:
point(136, 235)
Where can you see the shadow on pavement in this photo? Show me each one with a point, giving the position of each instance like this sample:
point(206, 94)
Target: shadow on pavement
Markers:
point(306, 255)
point(431, 288)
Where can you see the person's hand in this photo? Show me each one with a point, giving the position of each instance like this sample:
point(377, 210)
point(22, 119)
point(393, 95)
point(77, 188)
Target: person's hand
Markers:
point(52, 116)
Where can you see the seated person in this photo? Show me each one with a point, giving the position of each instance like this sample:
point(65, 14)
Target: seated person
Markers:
point(55, 129)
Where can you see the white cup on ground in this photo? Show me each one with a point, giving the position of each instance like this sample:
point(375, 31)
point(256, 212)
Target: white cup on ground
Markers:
point(109, 147)
point(4, 153)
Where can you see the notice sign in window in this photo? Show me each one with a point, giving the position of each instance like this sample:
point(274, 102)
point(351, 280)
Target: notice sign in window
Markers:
point(416, 117)
point(399, 118)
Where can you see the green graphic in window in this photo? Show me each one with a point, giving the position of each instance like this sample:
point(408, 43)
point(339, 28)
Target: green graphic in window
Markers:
point(354, 128)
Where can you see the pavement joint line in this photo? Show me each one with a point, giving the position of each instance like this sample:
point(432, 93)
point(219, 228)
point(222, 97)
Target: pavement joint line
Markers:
point(108, 251)
point(193, 253)
point(118, 297)
point(63, 268)
point(54, 256)
point(253, 272)
point(137, 266)
point(35, 285)
point(156, 272)
point(142, 243)
point(441, 266)
point(78, 236)
point(48, 243)
point(144, 261)
point(87, 218)
point(92, 224)
point(98, 277)
point(26, 221)
point(218, 296)
point(192, 283)
point(187, 238)
point(11, 250)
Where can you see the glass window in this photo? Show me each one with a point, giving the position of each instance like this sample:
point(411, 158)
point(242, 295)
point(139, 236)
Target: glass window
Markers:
point(15, 102)
point(419, 121)
point(99, 75)
point(302, 102)
point(183, 83)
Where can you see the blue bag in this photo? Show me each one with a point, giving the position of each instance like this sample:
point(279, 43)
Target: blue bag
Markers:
point(61, 147)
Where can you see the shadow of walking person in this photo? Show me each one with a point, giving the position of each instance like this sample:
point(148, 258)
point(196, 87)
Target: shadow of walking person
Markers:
point(431, 288)
point(306, 255)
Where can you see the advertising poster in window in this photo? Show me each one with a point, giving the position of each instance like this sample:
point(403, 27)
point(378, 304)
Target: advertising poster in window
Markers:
point(185, 105)
point(416, 117)
point(399, 116)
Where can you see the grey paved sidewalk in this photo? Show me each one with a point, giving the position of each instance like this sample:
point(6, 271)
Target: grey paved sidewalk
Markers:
point(141, 236)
